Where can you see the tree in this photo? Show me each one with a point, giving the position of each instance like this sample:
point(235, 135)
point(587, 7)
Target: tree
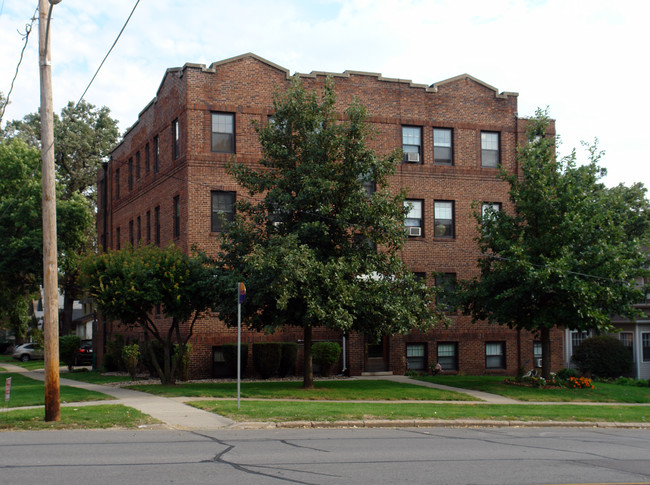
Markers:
point(315, 243)
point(129, 284)
point(83, 137)
point(21, 228)
point(569, 254)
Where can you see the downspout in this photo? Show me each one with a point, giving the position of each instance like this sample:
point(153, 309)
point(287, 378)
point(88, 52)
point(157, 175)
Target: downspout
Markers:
point(344, 359)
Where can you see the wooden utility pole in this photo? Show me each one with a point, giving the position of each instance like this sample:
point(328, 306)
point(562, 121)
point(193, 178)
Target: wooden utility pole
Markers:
point(50, 270)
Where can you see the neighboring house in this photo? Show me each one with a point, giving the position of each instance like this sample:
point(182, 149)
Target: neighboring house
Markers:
point(635, 335)
point(82, 321)
point(166, 183)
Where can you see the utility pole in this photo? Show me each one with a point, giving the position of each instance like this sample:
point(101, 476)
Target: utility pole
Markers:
point(50, 270)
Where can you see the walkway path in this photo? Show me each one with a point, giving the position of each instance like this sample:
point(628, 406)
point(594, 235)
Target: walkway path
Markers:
point(174, 413)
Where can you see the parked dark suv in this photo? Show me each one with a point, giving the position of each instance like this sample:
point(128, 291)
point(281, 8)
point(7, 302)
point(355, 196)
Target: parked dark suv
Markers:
point(85, 353)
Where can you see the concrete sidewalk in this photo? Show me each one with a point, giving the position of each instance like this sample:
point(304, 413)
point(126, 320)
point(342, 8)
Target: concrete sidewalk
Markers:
point(175, 414)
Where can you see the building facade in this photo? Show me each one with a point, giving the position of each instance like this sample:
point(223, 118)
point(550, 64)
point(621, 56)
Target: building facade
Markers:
point(166, 183)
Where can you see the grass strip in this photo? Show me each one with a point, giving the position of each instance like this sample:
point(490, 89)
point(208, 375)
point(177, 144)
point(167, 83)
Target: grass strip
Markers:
point(340, 390)
point(602, 392)
point(83, 417)
point(29, 365)
point(31, 392)
point(324, 411)
point(93, 377)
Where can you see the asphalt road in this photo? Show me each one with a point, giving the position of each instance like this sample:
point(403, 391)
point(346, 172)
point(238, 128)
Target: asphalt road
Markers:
point(333, 456)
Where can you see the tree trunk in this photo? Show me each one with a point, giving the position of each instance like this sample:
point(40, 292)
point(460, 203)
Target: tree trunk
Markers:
point(308, 368)
point(546, 352)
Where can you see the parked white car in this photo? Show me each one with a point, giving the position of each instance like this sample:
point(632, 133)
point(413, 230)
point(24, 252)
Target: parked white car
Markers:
point(29, 351)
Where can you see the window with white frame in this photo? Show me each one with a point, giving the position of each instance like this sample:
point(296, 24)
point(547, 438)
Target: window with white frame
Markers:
point(645, 346)
point(537, 353)
point(442, 146)
point(222, 137)
point(443, 218)
point(490, 156)
point(223, 209)
point(495, 355)
point(416, 356)
point(414, 220)
point(577, 338)
point(176, 139)
point(448, 355)
point(489, 208)
point(412, 143)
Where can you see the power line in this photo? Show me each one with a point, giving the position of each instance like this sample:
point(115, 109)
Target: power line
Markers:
point(108, 53)
point(28, 30)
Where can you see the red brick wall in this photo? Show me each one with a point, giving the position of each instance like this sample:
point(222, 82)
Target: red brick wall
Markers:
point(245, 86)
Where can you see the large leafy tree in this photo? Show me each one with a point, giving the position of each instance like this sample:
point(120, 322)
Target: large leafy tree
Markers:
point(21, 228)
point(83, 138)
point(568, 255)
point(128, 285)
point(313, 240)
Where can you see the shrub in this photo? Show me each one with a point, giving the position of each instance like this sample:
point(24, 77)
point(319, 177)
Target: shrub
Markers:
point(564, 374)
point(230, 358)
point(325, 354)
point(68, 347)
point(131, 357)
point(602, 356)
point(629, 381)
point(288, 355)
point(266, 358)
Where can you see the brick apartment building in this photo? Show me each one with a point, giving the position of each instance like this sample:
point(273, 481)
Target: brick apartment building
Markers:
point(166, 180)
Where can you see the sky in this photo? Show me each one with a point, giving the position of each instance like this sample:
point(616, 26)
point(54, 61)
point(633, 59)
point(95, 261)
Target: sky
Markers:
point(584, 60)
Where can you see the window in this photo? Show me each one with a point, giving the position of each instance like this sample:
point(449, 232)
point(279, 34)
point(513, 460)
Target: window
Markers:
point(489, 149)
point(495, 355)
point(156, 221)
point(368, 184)
point(645, 344)
point(137, 165)
point(627, 340)
point(131, 232)
point(413, 221)
point(443, 218)
point(130, 174)
point(577, 338)
point(442, 147)
point(222, 138)
point(147, 158)
point(489, 208)
point(176, 136)
point(448, 355)
point(223, 209)
point(138, 229)
point(447, 284)
point(537, 353)
point(416, 357)
point(412, 143)
point(177, 216)
point(117, 183)
point(117, 237)
point(148, 219)
point(156, 154)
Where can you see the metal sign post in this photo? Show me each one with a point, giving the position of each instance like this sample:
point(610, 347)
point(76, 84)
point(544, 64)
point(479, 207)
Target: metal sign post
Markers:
point(241, 296)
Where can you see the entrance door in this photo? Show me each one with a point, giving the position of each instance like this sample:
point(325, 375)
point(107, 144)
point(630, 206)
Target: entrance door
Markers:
point(377, 355)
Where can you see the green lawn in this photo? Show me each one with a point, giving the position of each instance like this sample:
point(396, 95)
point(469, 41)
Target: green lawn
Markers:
point(29, 365)
point(495, 384)
point(30, 392)
point(324, 390)
point(83, 417)
point(324, 411)
point(93, 377)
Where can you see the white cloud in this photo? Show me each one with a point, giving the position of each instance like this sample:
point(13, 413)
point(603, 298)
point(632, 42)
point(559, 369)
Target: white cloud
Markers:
point(585, 59)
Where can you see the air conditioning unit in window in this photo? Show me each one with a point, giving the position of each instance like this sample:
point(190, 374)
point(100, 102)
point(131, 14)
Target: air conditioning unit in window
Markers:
point(414, 231)
point(412, 157)
point(538, 362)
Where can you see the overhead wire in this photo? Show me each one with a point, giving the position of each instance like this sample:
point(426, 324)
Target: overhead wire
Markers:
point(25, 36)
